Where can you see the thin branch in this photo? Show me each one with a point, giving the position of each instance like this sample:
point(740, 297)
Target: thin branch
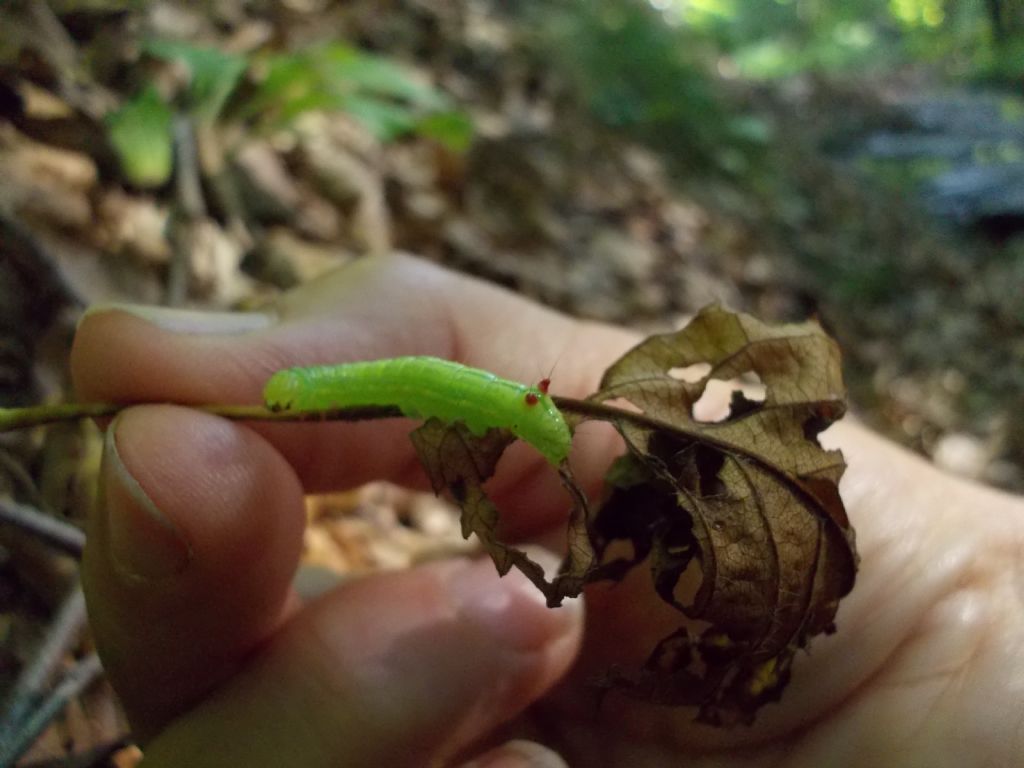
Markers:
point(78, 678)
point(30, 687)
point(58, 534)
point(17, 472)
point(19, 418)
point(188, 186)
point(34, 261)
point(54, 42)
point(190, 209)
point(36, 415)
point(55, 45)
point(603, 412)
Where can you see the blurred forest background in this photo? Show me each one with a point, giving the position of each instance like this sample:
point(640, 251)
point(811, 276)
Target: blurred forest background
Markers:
point(623, 160)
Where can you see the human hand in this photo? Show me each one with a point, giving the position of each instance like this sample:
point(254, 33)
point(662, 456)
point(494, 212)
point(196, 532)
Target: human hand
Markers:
point(218, 662)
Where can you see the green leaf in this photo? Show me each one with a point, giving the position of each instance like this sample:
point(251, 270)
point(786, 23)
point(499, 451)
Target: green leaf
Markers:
point(140, 132)
point(287, 77)
point(380, 94)
point(385, 120)
point(213, 74)
point(369, 74)
point(453, 129)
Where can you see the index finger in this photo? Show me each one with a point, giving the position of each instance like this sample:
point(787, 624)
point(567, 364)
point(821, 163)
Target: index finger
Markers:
point(375, 308)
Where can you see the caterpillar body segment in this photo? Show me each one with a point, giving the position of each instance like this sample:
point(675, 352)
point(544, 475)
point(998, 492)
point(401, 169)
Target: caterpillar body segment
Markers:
point(428, 387)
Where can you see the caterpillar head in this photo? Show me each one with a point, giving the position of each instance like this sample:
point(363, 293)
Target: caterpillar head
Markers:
point(544, 426)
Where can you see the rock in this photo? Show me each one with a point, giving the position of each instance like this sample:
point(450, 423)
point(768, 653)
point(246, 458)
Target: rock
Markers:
point(972, 194)
point(976, 145)
point(909, 146)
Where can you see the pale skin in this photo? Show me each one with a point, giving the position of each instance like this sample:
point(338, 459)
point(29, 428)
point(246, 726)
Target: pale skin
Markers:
point(198, 535)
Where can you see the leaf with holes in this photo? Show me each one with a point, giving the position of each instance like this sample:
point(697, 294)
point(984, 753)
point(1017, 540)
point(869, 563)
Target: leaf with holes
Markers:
point(750, 500)
point(459, 461)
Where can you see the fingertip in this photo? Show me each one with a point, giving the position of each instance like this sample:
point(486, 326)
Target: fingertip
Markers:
point(455, 627)
point(223, 486)
point(400, 669)
point(190, 554)
point(135, 353)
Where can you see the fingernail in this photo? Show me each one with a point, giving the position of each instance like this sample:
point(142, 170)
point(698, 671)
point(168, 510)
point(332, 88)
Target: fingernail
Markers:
point(190, 321)
point(143, 544)
point(518, 754)
point(511, 608)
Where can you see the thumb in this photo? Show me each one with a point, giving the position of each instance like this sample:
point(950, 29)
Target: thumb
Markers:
point(190, 555)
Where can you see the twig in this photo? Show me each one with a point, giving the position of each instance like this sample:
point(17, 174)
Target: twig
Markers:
point(36, 415)
point(58, 534)
point(30, 687)
point(34, 262)
point(78, 678)
point(222, 186)
point(187, 187)
point(55, 45)
point(190, 209)
point(17, 472)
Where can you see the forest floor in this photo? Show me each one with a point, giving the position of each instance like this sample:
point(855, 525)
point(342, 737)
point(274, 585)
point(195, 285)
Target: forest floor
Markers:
point(544, 201)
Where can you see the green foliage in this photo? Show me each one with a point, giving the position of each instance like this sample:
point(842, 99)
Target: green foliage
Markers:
point(643, 76)
point(778, 38)
point(452, 128)
point(775, 38)
point(902, 175)
point(1004, 63)
point(140, 132)
point(383, 96)
point(213, 74)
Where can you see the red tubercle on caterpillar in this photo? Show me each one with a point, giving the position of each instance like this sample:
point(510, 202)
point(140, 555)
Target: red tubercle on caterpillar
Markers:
point(532, 398)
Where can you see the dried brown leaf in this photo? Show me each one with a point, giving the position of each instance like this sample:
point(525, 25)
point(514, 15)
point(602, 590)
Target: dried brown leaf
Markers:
point(753, 499)
point(461, 462)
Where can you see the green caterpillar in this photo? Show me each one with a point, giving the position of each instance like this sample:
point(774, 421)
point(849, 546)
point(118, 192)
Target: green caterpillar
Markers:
point(428, 387)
